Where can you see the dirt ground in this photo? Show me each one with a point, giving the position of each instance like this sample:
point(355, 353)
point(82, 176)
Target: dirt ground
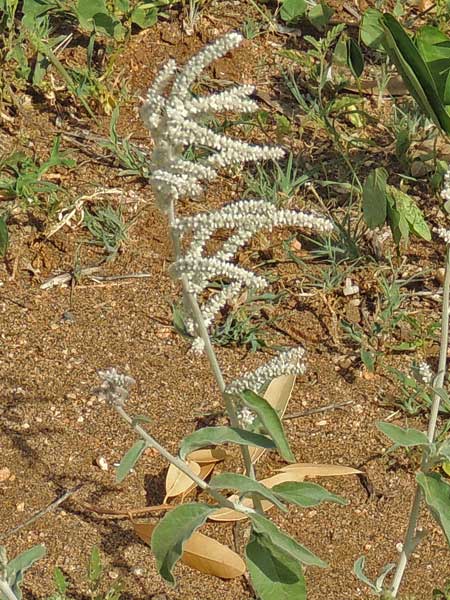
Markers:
point(54, 430)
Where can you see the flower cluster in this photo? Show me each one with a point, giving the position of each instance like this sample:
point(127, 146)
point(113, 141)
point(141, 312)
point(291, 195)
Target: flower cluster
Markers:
point(290, 362)
point(445, 193)
point(423, 372)
point(246, 417)
point(176, 121)
point(245, 217)
point(115, 386)
point(443, 233)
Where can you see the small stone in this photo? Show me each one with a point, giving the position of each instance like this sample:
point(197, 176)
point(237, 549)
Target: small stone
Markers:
point(349, 288)
point(137, 571)
point(80, 419)
point(20, 507)
point(440, 275)
point(102, 463)
point(54, 326)
point(25, 425)
point(321, 423)
point(113, 574)
point(5, 474)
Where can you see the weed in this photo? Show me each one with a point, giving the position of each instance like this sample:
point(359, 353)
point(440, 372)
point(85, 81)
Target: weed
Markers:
point(107, 227)
point(94, 578)
point(277, 183)
point(23, 178)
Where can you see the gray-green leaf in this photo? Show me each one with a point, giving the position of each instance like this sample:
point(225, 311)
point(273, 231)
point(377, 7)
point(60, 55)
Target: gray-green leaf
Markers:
point(283, 542)
point(4, 236)
point(374, 198)
point(245, 485)
point(292, 10)
point(305, 493)
point(171, 533)
point(275, 576)
point(208, 436)
point(270, 420)
point(403, 437)
point(437, 497)
point(17, 566)
point(129, 460)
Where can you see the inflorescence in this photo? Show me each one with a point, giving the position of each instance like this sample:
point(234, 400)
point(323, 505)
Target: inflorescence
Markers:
point(176, 120)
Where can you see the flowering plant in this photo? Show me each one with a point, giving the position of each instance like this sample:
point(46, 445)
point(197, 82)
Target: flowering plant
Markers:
point(176, 120)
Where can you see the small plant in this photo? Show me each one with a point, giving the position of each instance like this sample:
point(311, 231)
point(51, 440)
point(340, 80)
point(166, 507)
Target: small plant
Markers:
point(432, 488)
point(94, 577)
point(107, 227)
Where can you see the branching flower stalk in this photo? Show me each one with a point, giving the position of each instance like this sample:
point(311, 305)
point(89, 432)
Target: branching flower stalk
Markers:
point(413, 536)
point(176, 120)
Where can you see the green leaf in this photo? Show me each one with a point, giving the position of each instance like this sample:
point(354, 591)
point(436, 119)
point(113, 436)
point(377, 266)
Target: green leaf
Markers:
point(377, 585)
point(274, 575)
point(371, 29)
point(33, 10)
point(95, 567)
point(437, 497)
point(4, 236)
point(374, 199)
point(355, 58)
point(17, 566)
point(403, 437)
point(368, 359)
point(283, 542)
point(208, 436)
point(320, 15)
point(270, 420)
point(171, 533)
point(106, 25)
point(414, 72)
point(305, 494)
point(293, 10)
point(245, 485)
point(144, 17)
point(129, 460)
point(408, 209)
point(434, 48)
point(61, 582)
point(86, 10)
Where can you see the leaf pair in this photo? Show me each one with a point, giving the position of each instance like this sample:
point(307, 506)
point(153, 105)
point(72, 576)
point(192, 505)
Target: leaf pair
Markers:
point(384, 203)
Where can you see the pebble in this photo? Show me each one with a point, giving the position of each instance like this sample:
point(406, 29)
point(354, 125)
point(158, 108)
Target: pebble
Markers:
point(20, 507)
point(113, 574)
point(5, 474)
point(80, 419)
point(101, 462)
point(137, 571)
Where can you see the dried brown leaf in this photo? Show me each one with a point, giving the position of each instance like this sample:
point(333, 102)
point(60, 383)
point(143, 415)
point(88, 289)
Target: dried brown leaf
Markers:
point(318, 470)
point(202, 553)
point(277, 395)
point(207, 455)
point(177, 482)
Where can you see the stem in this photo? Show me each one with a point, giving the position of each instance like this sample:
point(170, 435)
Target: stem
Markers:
point(411, 539)
point(180, 464)
point(7, 591)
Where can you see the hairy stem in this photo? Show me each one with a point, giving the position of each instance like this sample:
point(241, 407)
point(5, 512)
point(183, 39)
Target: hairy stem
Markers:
point(7, 591)
point(180, 464)
point(411, 538)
